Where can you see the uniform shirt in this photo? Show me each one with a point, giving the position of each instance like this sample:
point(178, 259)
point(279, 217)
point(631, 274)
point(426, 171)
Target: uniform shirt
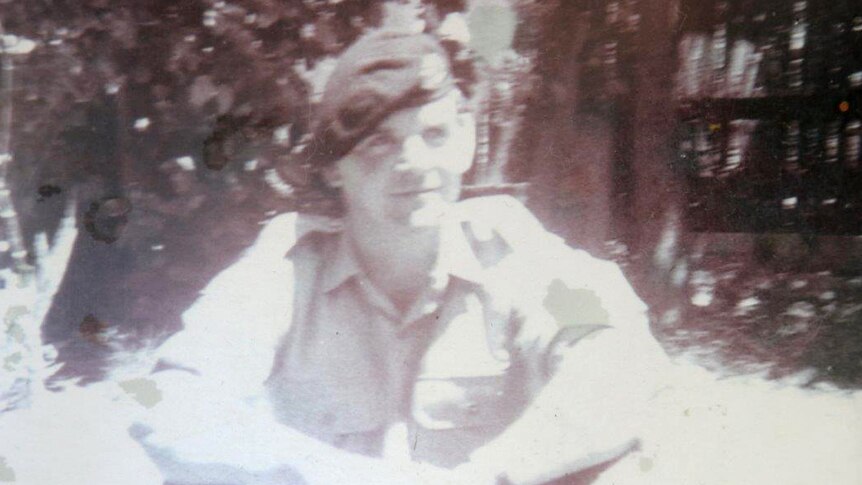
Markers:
point(296, 326)
point(453, 366)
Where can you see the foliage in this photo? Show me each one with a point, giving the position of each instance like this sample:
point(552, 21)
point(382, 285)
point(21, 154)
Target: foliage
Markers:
point(799, 324)
point(162, 119)
point(177, 128)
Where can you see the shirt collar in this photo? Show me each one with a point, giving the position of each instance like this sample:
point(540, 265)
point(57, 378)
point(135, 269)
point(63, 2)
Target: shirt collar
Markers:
point(457, 255)
point(307, 225)
point(457, 258)
point(343, 265)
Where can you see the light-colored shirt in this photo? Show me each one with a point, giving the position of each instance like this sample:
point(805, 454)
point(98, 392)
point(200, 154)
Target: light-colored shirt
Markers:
point(455, 366)
point(297, 326)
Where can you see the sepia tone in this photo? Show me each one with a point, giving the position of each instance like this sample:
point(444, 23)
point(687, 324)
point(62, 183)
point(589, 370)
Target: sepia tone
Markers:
point(705, 155)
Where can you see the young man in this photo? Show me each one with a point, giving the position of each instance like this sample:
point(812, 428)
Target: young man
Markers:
point(415, 339)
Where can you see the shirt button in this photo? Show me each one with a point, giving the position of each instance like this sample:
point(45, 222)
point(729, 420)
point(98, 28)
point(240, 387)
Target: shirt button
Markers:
point(472, 408)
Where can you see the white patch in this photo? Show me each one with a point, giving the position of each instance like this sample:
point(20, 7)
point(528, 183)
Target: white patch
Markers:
point(749, 302)
point(142, 124)
point(454, 27)
point(12, 44)
point(439, 111)
point(186, 163)
point(703, 298)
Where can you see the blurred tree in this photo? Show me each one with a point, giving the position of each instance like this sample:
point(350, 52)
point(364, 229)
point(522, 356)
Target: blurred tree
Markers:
point(597, 138)
point(176, 128)
point(166, 122)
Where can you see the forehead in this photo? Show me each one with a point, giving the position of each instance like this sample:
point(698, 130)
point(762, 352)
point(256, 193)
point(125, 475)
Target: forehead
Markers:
point(437, 112)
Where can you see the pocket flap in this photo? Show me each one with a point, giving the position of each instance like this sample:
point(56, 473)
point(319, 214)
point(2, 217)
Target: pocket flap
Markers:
point(457, 402)
point(326, 408)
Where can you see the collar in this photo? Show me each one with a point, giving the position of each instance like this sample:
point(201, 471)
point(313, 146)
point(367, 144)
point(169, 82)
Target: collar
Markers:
point(456, 258)
point(307, 225)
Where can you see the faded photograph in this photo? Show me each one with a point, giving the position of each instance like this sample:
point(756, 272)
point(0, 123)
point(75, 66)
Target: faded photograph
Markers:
point(457, 242)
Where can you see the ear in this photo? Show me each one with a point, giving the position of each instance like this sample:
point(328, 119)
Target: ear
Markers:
point(331, 174)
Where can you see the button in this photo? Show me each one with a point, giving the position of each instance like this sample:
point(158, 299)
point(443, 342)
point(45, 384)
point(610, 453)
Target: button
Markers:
point(472, 408)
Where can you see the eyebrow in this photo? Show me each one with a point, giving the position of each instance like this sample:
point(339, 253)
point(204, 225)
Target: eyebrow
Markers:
point(379, 130)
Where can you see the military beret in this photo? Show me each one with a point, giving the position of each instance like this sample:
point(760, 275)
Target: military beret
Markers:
point(380, 73)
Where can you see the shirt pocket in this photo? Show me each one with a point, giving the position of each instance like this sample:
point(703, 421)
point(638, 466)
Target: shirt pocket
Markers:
point(326, 408)
point(444, 401)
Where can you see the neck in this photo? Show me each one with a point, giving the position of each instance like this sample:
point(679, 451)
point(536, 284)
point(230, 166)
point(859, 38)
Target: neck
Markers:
point(397, 259)
point(384, 249)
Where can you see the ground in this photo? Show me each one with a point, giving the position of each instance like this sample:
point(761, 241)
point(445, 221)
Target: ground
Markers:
point(803, 326)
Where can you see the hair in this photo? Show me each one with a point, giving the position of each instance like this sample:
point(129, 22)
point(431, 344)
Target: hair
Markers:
point(320, 197)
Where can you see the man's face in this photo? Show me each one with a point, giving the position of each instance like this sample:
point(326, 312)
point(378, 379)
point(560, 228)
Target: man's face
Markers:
point(408, 171)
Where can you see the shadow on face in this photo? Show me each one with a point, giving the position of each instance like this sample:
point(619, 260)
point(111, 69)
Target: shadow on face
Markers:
point(408, 171)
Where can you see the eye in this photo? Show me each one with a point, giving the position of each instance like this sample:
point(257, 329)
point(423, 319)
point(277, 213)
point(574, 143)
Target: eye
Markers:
point(435, 135)
point(378, 144)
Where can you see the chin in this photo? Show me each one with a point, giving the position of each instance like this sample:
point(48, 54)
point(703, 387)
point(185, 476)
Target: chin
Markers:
point(425, 217)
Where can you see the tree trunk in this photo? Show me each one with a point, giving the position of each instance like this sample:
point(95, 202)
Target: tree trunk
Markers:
point(657, 232)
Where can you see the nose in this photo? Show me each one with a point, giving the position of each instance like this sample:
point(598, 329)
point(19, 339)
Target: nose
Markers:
point(416, 155)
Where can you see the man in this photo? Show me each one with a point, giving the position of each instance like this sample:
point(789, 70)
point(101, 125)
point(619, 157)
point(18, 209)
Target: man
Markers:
point(415, 339)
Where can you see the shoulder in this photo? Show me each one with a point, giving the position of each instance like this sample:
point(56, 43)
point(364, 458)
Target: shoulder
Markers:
point(504, 216)
point(508, 221)
point(276, 240)
point(243, 311)
point(547, 269)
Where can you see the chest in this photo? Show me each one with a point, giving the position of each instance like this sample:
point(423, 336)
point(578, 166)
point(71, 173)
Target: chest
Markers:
point(348, 369)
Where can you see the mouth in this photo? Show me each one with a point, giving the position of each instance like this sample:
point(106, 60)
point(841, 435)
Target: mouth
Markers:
point(415, 192)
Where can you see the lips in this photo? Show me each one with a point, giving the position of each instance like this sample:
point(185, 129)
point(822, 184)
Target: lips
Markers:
point(414, 192)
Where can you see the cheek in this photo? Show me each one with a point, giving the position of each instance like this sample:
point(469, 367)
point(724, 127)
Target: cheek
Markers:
point(366, 191)
point(459, 152)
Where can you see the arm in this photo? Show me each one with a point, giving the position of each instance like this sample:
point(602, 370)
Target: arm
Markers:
point(596, 365)
point(587, 414)
point(213, 423)
point(196, 435)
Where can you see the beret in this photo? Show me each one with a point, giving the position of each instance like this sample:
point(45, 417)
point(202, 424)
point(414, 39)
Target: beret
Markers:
point(382, 72)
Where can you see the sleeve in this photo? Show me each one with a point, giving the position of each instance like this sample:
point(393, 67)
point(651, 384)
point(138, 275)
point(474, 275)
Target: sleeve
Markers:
point(210, 402)
point(231, 332)
point(587, 298)
point(584, 335)
point(561, 294)
point(213, 414)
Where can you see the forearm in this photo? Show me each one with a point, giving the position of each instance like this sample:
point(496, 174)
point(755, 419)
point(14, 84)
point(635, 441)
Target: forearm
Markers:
point(588, 413)
point(196, 435)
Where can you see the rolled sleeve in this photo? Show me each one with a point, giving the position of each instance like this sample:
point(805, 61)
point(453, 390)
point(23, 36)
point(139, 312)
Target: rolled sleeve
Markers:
point(584, 335)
